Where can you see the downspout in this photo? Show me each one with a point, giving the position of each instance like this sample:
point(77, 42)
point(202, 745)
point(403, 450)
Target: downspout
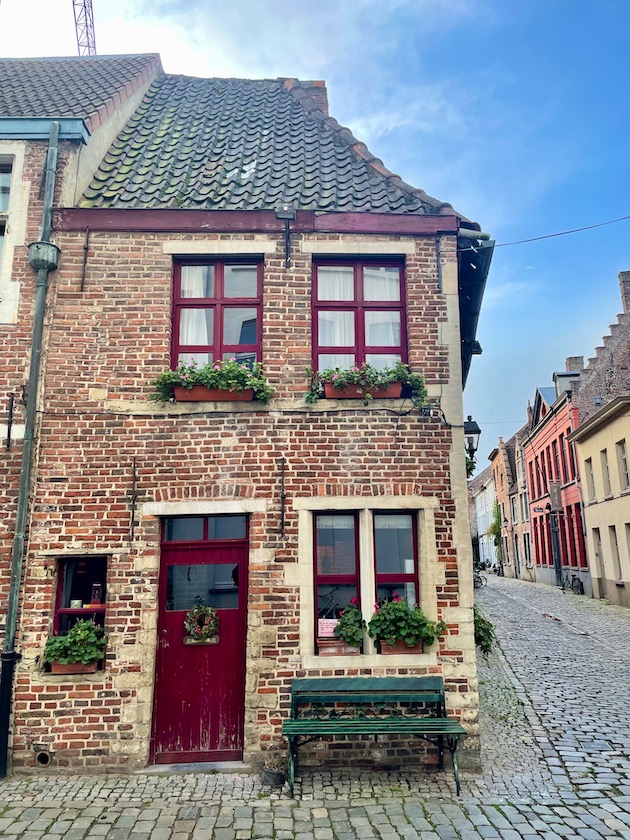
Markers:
point(43, 257)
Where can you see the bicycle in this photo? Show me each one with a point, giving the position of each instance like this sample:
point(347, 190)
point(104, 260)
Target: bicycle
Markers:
point(479, 580)
point(575, 584)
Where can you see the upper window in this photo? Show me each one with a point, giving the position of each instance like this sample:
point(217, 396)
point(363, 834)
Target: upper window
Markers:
point(5, 187)
point(605, 472)
point(622, 463)
point(217, 312)
point(590, 479)
point(359, 315)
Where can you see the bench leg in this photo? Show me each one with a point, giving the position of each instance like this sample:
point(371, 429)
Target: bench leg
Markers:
point(452, 746)
point(291, 762)
point(441, 751)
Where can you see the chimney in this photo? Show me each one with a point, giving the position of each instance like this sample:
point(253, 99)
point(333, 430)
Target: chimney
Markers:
point(530, 414)
point(318, 93)
point(624, 287)
point(574, 363)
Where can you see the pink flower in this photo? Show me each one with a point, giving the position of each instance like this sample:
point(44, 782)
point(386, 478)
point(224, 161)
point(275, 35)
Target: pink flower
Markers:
point(376, 608)
point(396, 597)
point(354, 601)
point(335, 376)
point(184, 376)
point(217, 367)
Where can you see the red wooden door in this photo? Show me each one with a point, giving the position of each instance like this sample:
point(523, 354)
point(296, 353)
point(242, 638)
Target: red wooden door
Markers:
point(200, 689)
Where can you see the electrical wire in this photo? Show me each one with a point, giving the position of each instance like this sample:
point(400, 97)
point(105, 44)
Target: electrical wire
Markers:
point(549, 235)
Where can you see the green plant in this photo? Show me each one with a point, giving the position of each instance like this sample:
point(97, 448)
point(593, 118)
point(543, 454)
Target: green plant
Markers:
point(494, 529)
point(471, 463)
point(484, 632)
point(395, 620)
point(351, 625)
point(225, 374)
point(367, 379)
point(201, 622)
point(84, 642)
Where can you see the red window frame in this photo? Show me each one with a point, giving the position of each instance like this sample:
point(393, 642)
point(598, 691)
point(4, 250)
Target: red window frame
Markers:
point(219, 302)
point(333, 580)
point(359, 306)
point(64, 613)
point(397, 578)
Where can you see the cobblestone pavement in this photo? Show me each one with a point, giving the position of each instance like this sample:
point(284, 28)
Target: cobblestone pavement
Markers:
point(555, 723)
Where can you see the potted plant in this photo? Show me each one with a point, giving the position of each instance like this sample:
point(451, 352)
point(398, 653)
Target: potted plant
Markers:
point(226, 379)
point(274, 771)
point(201, 624)
point(349, 631)
point(78, 651)
point(399, 628)
point(367, 383)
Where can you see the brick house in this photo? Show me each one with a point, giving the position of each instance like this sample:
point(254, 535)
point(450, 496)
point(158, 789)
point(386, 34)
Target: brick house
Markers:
point(601, 397)
point(553, 481)
point(170, 215)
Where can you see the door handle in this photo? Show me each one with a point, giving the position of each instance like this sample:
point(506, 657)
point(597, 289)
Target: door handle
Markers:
point(164, 632)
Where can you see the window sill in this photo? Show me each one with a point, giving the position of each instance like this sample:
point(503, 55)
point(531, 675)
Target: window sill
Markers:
point(143, 406)
point(368, 660)
point(620, 583)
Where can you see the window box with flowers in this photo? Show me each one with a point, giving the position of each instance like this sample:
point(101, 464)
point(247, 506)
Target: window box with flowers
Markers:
point(226, 379)
point(367, 383)
point(78, 651)
point(400, 628)
point(349, 631)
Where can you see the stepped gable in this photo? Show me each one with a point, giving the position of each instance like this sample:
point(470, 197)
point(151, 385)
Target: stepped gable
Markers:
point(83, 87)
point(238, 144)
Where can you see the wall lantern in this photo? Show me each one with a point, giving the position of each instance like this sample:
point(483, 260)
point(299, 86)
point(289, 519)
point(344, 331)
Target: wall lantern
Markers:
point(286, 212)
point(472, 433)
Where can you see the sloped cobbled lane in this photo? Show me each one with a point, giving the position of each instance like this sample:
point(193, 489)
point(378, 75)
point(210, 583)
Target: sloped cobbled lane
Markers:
point(555, 722)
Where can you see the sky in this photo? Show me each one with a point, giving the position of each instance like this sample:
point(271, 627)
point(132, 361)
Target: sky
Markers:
point(516, 112)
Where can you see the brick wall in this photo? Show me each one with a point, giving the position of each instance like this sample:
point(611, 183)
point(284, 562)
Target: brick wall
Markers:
point(104, 345)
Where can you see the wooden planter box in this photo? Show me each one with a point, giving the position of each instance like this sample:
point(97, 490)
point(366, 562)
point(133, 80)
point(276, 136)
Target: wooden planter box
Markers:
point(73, 668)
point(400, 647)
point(199, 393)
point(354, 392)
point(190, 640)
point(336, 647)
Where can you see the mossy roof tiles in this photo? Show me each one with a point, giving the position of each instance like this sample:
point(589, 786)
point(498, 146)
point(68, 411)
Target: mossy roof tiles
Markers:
point(235, 144)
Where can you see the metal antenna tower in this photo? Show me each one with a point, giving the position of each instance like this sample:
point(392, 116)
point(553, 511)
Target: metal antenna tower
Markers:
point(84, 25)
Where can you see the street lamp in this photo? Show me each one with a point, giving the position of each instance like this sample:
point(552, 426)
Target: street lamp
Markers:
point(472, 433)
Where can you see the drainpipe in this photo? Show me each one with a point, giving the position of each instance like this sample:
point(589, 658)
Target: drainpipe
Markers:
point(43, 257)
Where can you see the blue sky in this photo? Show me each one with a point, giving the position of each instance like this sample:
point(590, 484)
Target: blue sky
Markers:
point(514, 112)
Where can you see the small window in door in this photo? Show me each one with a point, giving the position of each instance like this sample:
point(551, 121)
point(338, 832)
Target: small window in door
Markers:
point(213, 584)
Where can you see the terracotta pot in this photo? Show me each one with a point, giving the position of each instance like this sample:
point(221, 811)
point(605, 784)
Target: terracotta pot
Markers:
point(400, 647)
point(199, 393)
point(354, 392)
point(336, 647)
point(73, 668)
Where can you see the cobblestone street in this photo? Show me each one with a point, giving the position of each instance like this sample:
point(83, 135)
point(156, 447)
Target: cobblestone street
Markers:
point(556, 757)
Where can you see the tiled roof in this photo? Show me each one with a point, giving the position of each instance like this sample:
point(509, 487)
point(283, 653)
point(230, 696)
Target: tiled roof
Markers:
point(69, 87)
point(233, 144)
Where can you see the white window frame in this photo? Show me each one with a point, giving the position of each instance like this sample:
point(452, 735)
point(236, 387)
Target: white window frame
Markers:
point(623, 464)
point(14, 219)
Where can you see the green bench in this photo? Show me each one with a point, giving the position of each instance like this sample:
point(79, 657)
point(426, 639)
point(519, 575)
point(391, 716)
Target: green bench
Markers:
point(370, 706)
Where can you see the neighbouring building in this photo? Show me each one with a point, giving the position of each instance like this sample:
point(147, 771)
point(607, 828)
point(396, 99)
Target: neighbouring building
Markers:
point(481, 492)
point(202, 219)
point(556, 520)
point(602, 399)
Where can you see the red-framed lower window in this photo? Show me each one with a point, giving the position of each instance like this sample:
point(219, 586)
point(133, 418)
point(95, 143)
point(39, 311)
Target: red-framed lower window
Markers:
point(81, 591)
point(358, 314)
point(217, 310)
point(396, 556)
point(336, 574)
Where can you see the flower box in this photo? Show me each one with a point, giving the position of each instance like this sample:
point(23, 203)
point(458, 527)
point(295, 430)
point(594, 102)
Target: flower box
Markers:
point(199, 393)
point(399, 647)
point(213, 640)
point(356, 392)
point(336, 647)
point(73, 667)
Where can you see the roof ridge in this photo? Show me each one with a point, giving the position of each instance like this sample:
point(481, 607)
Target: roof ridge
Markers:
point(126, 89)
point(295, 88)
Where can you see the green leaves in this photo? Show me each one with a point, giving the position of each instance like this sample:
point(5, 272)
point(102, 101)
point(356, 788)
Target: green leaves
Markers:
point(395, 620)
point(367, 378)
point(351, 626)
point(84, 642)
point(484, 632)
point(225, 374)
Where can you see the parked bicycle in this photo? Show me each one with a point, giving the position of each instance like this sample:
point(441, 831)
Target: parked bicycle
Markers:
point(575, 584)
point(479, 580)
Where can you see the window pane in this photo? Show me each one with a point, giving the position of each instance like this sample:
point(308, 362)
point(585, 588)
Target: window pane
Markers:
point(393, 543)
point(405, 590)
point(200, 358)
point(227, 527)
point(381, 360)
point(332, 599)
point(239, 325)
point(382, 329)
point(330, 361)
point(197, 281)
point(213, 584)
point(247, 358)
point(5, 184)
point(240, 281)
point(335, 545)
point(184, 528)
point(335, 283)
point(380, 283)
point(336, 329)
point(83, 582)
point(196, 326)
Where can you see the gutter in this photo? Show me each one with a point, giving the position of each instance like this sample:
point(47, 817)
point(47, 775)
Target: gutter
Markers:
point(43, 258)
point(40, 128)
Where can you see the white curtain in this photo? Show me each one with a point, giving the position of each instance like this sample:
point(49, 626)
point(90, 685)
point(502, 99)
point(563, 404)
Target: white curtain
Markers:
point(335, 283)
point(336, 329)
point(382, 329)
point(196, 326)
point(197, 281)
point(381, 283)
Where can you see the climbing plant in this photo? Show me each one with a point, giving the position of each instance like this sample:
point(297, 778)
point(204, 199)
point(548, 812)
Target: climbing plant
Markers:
point(495, 529)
